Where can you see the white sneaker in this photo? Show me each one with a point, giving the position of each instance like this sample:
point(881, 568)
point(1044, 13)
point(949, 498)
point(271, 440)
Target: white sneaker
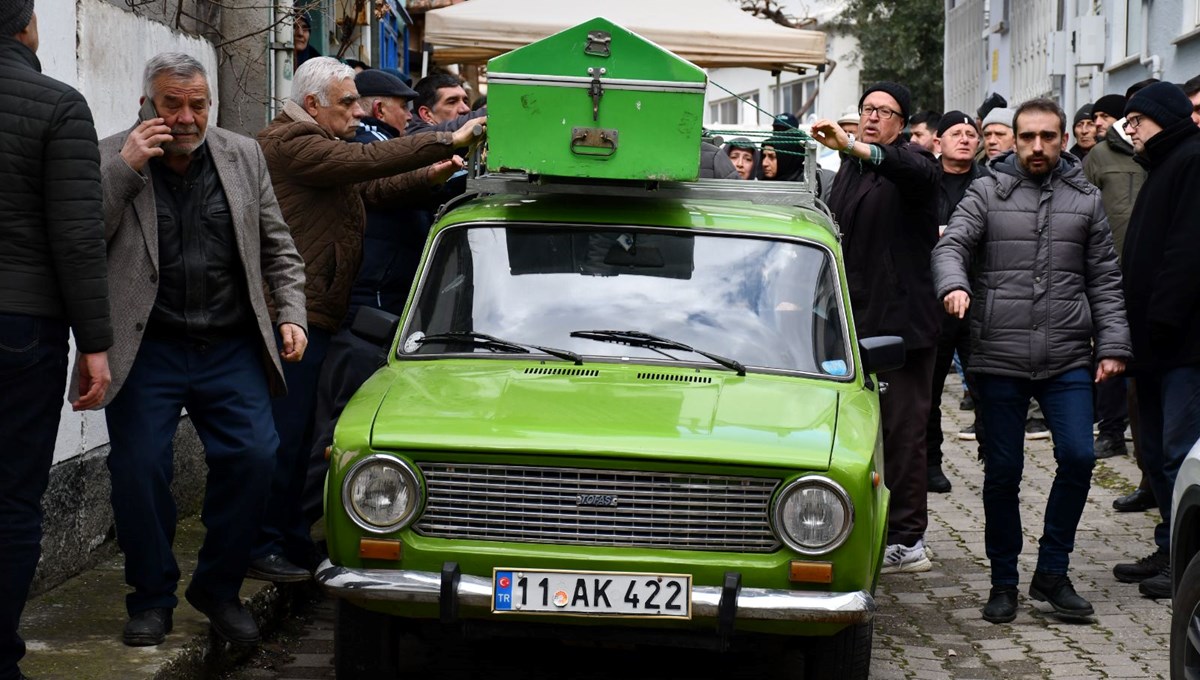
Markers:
point(901, 559)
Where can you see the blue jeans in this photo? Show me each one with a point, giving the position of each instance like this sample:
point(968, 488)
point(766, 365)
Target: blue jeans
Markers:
point(285, 531)
point(1066, 402)
point(224, 388)
point(1168, 404)
point(33, 378)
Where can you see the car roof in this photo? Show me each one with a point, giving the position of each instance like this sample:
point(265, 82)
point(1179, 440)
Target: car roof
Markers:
point(706, 214)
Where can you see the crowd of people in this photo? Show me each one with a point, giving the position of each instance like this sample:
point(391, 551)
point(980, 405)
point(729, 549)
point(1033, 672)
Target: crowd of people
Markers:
point(202, 270)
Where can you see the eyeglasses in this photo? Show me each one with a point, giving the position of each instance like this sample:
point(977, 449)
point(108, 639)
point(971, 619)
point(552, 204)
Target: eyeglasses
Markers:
point(884, 114)
point(1132, 122)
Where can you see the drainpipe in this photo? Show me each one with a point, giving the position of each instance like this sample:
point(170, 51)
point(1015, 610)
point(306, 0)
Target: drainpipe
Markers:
point(1151, 60)
point(279, 67)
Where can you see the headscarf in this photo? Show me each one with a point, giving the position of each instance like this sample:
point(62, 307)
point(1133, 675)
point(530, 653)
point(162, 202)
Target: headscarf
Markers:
point(789, 157)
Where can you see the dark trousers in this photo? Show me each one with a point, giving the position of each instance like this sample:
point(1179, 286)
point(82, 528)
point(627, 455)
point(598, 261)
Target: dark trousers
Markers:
point(955, 337)
point(33, 377)
point(904, 410)
point(1066, 402)
point(348, 364)
point(224, 388)
point(1112, 407)
point(1168, 404)
point(284, 529)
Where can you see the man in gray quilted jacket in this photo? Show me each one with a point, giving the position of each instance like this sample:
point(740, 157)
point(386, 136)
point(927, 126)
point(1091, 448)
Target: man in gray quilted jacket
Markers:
point(1047, 319)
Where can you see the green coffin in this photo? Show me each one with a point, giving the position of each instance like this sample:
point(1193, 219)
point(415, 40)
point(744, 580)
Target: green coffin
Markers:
point(595, 101)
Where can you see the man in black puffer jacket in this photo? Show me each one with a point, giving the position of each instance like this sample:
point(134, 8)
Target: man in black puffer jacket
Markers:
point(53, 276)
point(1047, 306)
point(1162, 284)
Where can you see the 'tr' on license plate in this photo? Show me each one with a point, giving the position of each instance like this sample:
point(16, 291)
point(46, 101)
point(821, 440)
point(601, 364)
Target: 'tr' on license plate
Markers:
point(592, 593)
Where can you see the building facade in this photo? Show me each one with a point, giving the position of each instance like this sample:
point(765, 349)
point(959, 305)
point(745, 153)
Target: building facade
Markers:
point(1072, 51)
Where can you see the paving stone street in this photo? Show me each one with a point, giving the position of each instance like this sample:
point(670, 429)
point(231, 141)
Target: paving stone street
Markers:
point(929, 626)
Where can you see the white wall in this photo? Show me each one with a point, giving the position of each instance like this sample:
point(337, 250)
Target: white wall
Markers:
point(101, 49)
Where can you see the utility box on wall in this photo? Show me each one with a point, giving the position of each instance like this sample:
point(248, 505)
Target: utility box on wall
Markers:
point(1089, 41)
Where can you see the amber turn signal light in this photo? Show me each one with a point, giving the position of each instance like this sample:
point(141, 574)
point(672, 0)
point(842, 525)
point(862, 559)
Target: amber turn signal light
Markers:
point(328, 452)
point(377, 549)
point(875, 478)
point(811, 572)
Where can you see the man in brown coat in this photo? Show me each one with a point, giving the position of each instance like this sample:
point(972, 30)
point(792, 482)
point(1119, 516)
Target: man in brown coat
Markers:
point(194, 230)
point(322, 183)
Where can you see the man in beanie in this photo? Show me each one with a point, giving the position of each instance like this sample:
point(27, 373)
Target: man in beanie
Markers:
point(959, 141)
point(53, 277)
point(992, 101)
point(1105, 112)
point(1162, 286)
point(997, 132)
point(1085, 132)
point(1119, 178)
point(1047, 319)
point(885, 199)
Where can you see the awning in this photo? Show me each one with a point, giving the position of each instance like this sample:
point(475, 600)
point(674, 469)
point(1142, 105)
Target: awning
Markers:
point(708, 33)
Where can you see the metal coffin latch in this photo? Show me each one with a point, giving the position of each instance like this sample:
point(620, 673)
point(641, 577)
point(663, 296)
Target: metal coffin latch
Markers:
point(596, 90)
point(589, 141)
point(598, 44)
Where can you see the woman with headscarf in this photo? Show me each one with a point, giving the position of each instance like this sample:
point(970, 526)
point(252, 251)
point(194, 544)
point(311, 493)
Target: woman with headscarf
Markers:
point(782, 160)
point(741, 153)
point(300, 35)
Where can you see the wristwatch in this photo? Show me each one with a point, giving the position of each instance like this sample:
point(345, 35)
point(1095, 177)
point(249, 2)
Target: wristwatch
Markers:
point(849, 145)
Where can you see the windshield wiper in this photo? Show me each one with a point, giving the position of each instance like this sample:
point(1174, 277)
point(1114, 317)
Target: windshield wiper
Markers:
point(640, 339)
point(495, 344)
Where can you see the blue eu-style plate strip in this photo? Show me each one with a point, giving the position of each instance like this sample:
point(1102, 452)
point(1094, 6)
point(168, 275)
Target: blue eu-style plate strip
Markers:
point(502, 590)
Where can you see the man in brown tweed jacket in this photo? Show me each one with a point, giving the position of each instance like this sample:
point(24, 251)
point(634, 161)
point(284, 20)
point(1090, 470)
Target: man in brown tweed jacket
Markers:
point(193, 231)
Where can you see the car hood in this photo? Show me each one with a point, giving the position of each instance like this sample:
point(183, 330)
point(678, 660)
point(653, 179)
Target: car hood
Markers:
point(601, 409)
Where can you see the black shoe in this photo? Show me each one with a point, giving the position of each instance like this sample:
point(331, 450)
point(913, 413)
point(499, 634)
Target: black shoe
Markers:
point(1135, 572)
point(148, 628)
point(1108, 446)
point(1058, 591)
point(937, 480)
point(1157, 587)
point(967, 403)
point(1146, 567)
point(1138, 501)
point(277, 569)
point(1001, 606)
point(229, 619)
point(1035, 428)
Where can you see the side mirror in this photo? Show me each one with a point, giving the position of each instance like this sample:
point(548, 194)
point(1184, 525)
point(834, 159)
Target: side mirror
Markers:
point(375, 326)
point(882, 353)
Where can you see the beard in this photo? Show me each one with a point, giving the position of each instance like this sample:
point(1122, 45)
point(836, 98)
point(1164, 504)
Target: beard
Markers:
point(175, 148)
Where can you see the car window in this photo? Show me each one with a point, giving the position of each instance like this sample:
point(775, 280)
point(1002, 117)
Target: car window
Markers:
point(768, 303)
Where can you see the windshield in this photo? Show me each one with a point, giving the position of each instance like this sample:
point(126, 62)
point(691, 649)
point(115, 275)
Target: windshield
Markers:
point(768, 304)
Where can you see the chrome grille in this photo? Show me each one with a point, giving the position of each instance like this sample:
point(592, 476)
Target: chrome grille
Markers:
point(543, 505)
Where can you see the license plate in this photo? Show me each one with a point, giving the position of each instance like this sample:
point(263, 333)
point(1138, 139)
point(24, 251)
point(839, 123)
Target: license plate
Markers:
point(592, 593)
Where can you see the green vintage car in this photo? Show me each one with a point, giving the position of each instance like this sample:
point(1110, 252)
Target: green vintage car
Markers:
point(615, 412)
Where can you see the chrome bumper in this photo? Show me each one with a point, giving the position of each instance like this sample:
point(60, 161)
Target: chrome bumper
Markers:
point(474, 592)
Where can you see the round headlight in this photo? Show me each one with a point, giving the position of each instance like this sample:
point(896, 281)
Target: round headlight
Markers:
point(813, 515)
point(381, 494)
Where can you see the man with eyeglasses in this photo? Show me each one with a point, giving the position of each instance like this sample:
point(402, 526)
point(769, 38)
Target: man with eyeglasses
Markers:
point(885, 199)
point(1162, 286)
point(1047, 319)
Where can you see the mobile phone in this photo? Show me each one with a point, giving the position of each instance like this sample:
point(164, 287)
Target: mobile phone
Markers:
point(147, 111)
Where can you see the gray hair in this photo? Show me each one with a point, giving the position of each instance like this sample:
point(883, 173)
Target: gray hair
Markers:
point(316, 76)
point(175, 64)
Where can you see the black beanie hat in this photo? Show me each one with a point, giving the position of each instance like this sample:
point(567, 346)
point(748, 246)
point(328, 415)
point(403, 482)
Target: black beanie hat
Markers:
point(14, 16)
point(993, 101)
point(1112, 104)
point(1164, 103)
point(898, 92)
point(953, 118)
point(1084, 113)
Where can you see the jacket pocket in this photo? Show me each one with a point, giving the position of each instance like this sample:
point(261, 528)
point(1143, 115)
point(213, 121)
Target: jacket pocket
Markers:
point(19, 334)
point(989, 308)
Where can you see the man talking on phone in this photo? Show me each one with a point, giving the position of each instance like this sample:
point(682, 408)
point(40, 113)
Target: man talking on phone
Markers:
point(193, 226)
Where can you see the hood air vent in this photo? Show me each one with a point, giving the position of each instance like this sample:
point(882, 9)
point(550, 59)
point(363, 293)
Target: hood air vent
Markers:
point(580, 372)
point(673, 377)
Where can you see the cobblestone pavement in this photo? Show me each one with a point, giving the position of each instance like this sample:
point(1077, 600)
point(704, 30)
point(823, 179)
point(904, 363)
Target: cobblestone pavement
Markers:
point(929, 625)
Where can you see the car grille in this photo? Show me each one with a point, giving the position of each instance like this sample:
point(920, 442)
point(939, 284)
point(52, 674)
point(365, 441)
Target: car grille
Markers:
point(597, 507)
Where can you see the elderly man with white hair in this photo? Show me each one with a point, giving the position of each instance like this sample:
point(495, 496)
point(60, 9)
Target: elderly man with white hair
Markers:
point(322, 184)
